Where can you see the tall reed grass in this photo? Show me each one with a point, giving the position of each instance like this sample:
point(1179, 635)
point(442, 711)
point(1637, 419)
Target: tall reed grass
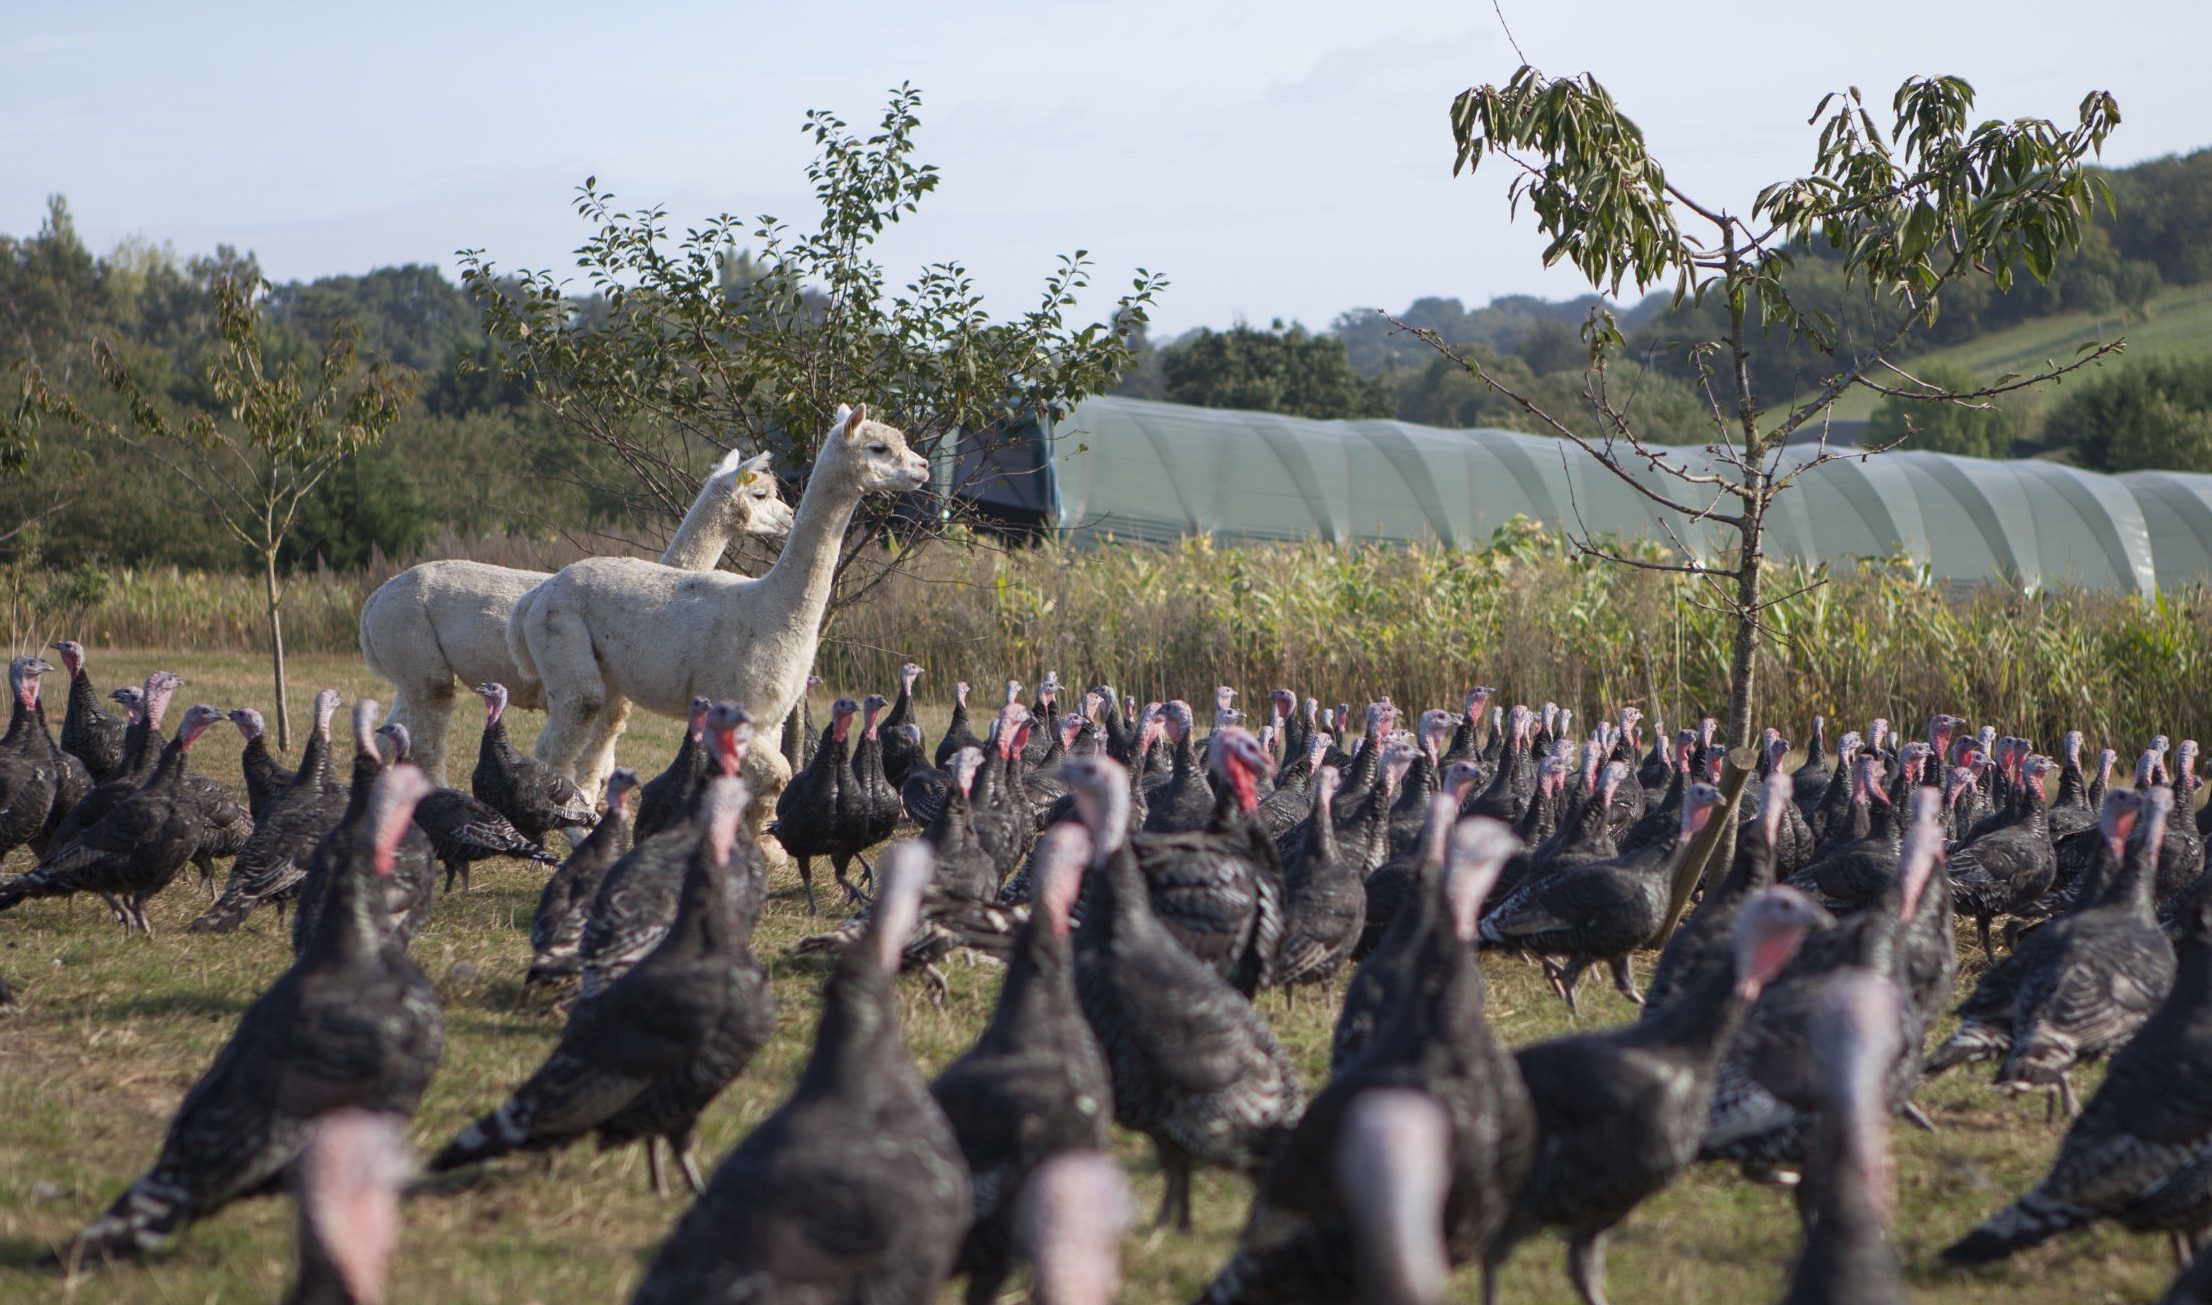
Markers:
point(1421, 623)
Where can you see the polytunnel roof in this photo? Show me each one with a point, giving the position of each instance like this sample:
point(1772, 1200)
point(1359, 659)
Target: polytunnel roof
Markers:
point(1134, 469)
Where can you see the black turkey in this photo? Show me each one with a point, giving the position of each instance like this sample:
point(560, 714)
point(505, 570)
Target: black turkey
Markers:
point(410, 889)
point(462, 828)
point(643, 1032)
point(637, 898)
point(137, 847)
point(1035, 1084)
point(2141, 1152)
point(269, 868)
point(557, 926)
point(264, 775)
point(1620, 1113)
point(347, 1184)
point(1857, 1021)
point(533, 796)
point(2077, 988)
point(668, 796)
point(353, 1024)
point(1194, 1067)
point(1302, 1238)
point(89, 732)
point(854, 1188)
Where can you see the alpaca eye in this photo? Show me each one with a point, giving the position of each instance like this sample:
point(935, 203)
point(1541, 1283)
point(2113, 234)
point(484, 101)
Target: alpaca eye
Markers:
point(878, 448)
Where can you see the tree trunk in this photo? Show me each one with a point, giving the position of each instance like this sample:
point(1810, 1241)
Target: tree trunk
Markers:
point(1742, 664)
point(276, 650)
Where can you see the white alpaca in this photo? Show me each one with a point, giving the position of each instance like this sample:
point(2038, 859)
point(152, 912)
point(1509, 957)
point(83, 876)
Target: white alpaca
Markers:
point(610, 631)
point(441, 622)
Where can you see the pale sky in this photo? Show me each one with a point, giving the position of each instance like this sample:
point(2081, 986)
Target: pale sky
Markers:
point(1274, 160)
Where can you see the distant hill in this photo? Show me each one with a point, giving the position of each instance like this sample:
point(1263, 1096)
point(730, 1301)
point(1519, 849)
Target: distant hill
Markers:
point(2176, 322)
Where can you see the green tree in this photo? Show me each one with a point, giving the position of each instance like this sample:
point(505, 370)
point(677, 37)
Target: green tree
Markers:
point(284, 430)
point(1281, 369)
point(2153, 413)
point(1978, 428)
point(1909, 211)
point(687, 347)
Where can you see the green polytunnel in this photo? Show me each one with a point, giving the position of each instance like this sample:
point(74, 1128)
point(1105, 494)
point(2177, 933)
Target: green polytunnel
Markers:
point(1140, 470)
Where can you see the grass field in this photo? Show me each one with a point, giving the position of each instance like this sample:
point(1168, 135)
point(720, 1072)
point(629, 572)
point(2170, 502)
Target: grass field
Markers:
point(113, 1030)
point(2180, 322)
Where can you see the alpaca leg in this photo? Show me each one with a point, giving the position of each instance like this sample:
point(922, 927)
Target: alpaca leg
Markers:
point(574, 686)
point(426, 709)
point(599, 757)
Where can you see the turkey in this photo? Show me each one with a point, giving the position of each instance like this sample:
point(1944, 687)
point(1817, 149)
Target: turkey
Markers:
point(1383, 978)
point(2078, 988)
point(654, 1024)
point(137, 847)
point(409, 889)
point(1185, 801)
point(462, 829)
point(871, 806)
point(1219, 890)
point(1620, 1113)
point(347, 1184)
point(854, 1188)
point(638, 897)
point(1598, 911)
point(2070, 811)
point(902, 754)
point(2141, 1152)
point(668, 796)
point(1857, 1020)
point(2007, 868)
point(1466, 740)
point(1857, 860)
point(1810, 779)
point(1326, 906)
point(1291, 802)
point(1768, 1086)
point(1389, 886)
point(1069, 1225)
point(1194, 1067)
point(1302, 1237)
point(264, 775)
point(142, 748)
point(1699, 945)
point(32, 767)
point(957, 734)
point(268, 869)
point(1035, 1084)
point(536, 798)
point(1379, 1228)
point(88, 731)
point(1046, 709)
point(557, 926)
point(353, 1024)
point(810, 810)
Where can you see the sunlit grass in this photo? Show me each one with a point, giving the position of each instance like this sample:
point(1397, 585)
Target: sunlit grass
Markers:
point(113, 1030)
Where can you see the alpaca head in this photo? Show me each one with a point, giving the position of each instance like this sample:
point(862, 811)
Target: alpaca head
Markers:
point(743, 492)
point(871, 455)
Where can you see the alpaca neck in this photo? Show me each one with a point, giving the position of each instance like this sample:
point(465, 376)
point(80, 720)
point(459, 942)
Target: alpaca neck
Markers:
point(800, 581)
point(698, 543)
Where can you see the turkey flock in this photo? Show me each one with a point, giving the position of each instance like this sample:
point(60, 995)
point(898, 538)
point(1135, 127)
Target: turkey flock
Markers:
point(1144, 873)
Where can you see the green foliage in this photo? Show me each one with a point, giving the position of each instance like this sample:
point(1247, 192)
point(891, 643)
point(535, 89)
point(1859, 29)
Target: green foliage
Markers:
point(1280, 369)
point(688, 348)
point(1444, 393)
point(2151, 413)
point(2165, 216)
point(1978, 428)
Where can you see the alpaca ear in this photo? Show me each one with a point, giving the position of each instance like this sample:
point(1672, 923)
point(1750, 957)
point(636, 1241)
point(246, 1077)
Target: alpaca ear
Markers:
point(754, 468)
point(852, 423)
point(728, 464)
point(844, 414)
